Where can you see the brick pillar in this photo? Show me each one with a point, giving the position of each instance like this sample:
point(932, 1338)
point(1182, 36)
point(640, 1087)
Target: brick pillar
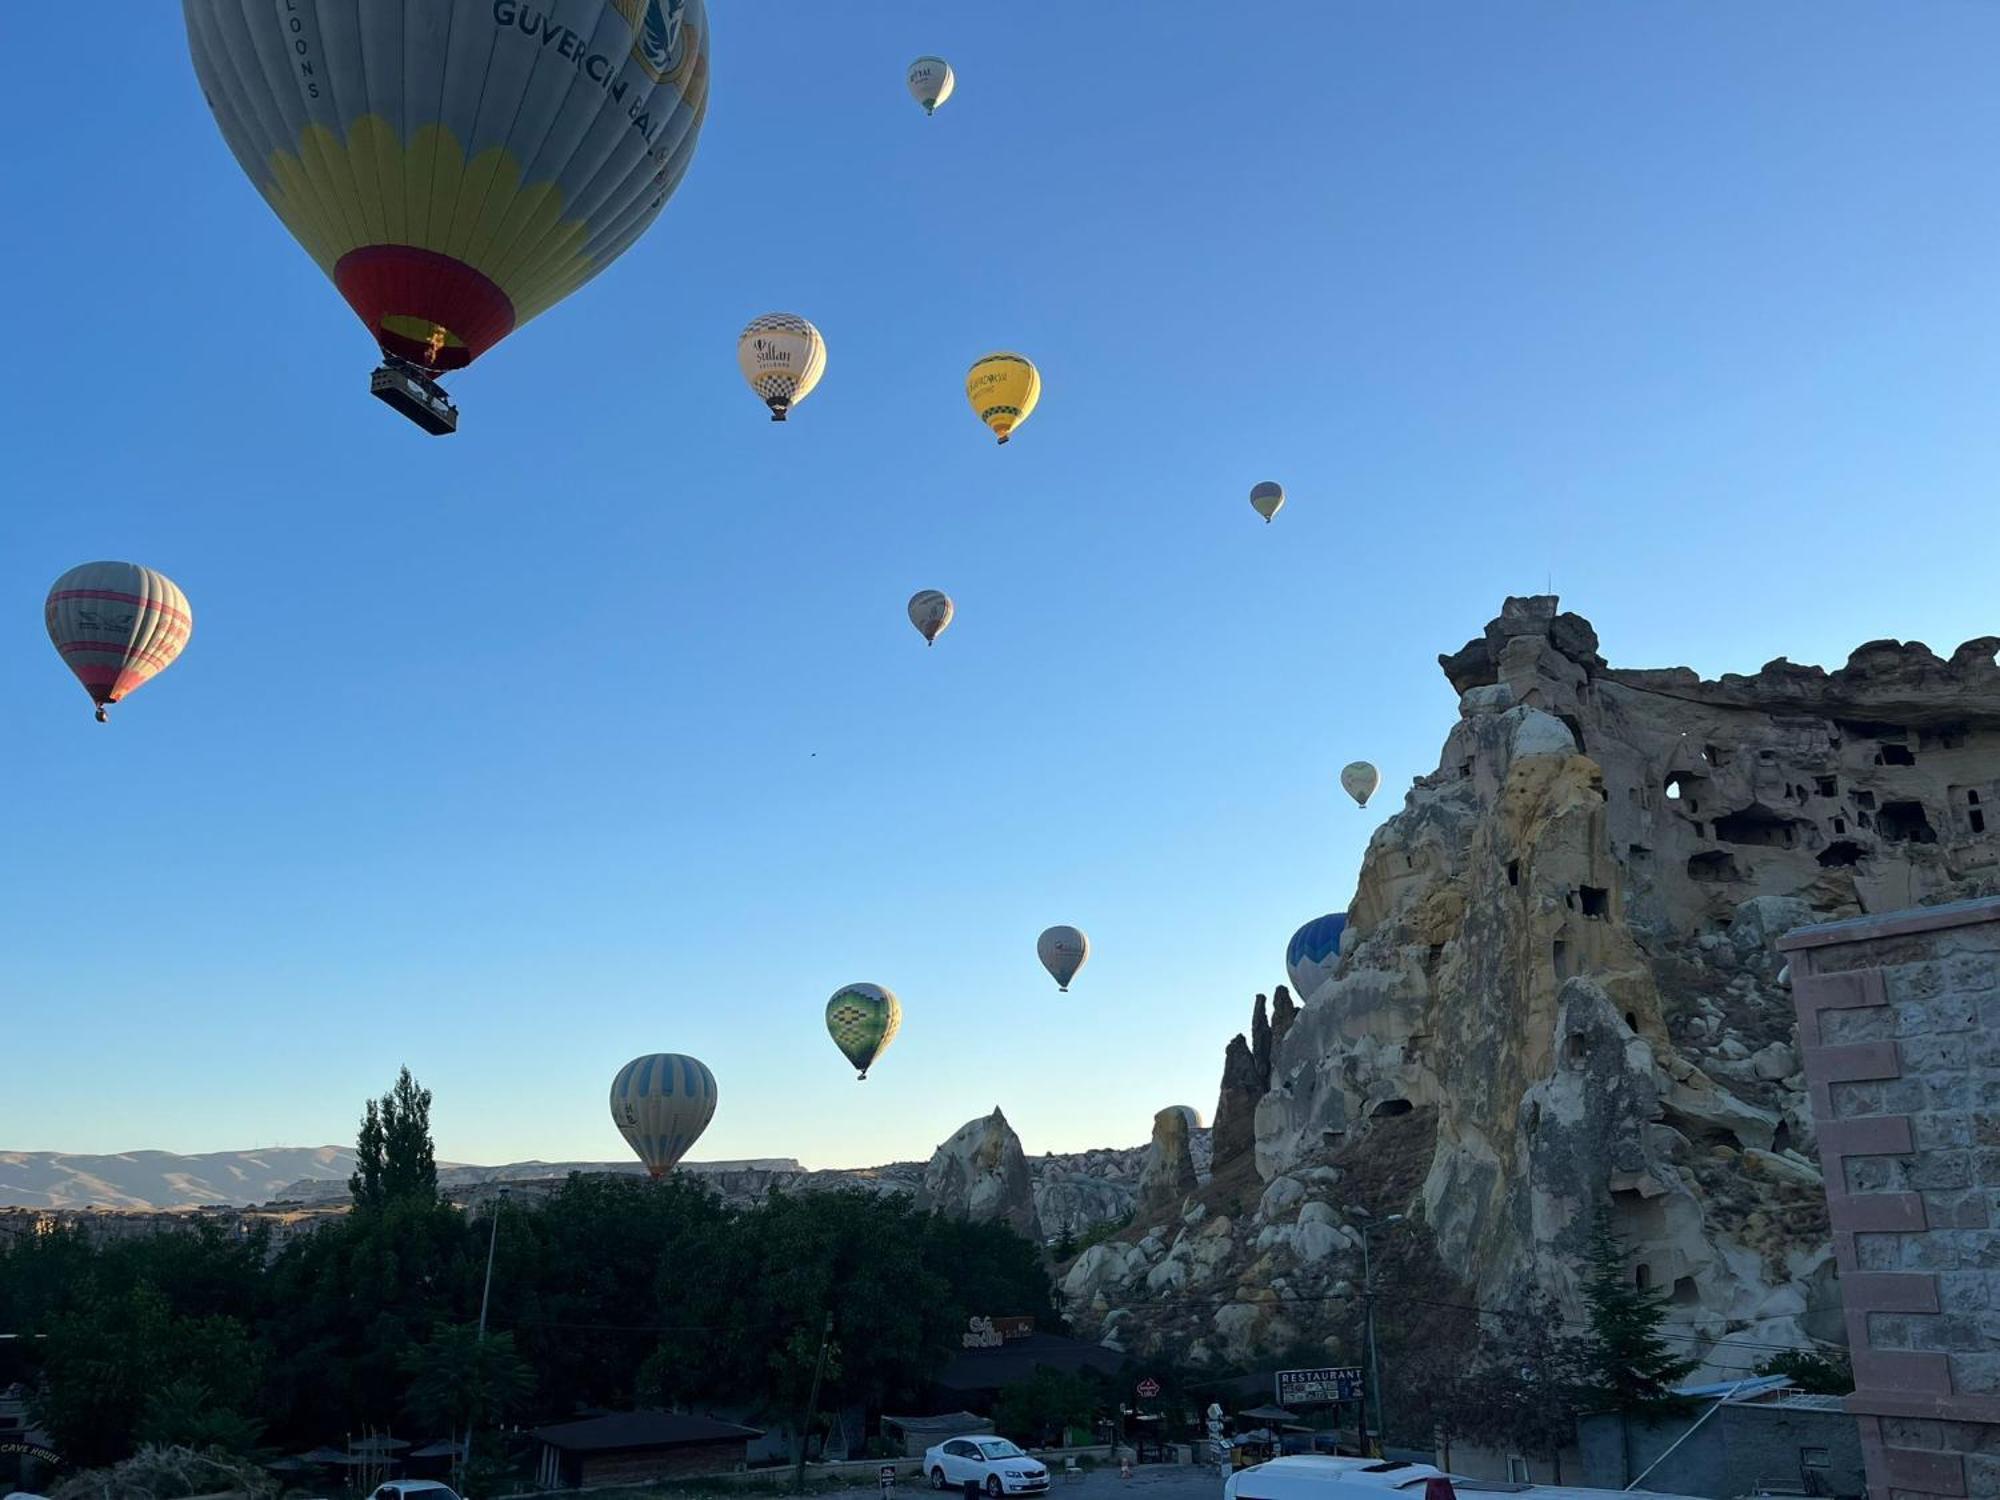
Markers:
point(1899, 1024)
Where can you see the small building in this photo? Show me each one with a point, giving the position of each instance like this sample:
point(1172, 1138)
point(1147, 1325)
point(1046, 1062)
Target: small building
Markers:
point(920, 1434)
point(633, 1446)
point(1752, 1437)
point(975, 1377)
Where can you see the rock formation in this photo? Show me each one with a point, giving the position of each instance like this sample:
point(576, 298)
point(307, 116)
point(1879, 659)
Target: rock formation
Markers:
point(1558, 990)
point(1168, 1175)
point(981, 1174)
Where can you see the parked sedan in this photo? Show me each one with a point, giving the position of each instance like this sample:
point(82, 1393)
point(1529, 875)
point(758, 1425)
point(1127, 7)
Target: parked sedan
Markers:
point(993, 1463)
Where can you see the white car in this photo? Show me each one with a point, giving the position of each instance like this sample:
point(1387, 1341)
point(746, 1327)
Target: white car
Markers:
point(993, 1463)
point(414, 1489)
point(1318, 1477)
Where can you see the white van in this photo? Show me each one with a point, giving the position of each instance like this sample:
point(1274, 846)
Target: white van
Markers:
point(1319, 1477)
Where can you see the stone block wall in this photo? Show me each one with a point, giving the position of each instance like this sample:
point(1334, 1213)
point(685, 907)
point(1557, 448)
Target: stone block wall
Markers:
point(1899, 1022)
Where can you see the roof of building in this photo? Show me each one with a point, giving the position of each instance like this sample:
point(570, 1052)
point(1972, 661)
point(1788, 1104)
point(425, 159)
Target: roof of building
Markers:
point(951, 1421)
point(642, 1429)
point(1018, 1359)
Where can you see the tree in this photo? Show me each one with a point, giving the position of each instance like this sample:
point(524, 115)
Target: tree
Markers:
point(1525, 1386)
point(1041, 1408)
point(394, 1158)
point(1820, 1374)
point(1629, 1368)
point(185, 1413)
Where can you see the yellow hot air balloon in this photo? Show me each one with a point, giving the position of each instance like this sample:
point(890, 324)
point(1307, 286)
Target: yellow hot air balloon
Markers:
point(1003, 389)
point(783, 357)
point(455, 166)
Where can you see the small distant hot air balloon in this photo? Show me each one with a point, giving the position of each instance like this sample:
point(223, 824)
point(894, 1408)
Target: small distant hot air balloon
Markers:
point(1268, 499)
point(863, 1019)
point(931, 82)
point(1359, 779)
point(1313, 953)
point(930, 611)
point(1063, 950)
point(783, 357)
point(1003, 389)
point(117, 625)
point(661, 1103)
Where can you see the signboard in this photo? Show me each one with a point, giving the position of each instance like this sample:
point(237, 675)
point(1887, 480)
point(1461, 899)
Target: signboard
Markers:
point(888, 1474)
point(1148, 1388)
point(1318, 1387)
point(991, 1333)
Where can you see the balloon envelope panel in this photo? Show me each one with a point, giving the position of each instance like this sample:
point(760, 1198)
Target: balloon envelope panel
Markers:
point(1003, 389)
point(1314, 953)
point(661, 1103)
point(863, 1019)
point(116, 625)
point(455, 166)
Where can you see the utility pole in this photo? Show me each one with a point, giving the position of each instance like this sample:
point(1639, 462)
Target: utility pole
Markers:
point(492, 1240)
point(1368, 1303)
point(812, 1407)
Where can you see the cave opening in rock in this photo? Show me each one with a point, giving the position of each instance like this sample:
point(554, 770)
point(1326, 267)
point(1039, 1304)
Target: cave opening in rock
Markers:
point(1638, 851)
point(1685, 1294)
point(1977, 819)
point(1781, 1138)
point(1631, 1020)
point(1388, 1109)
point(1677, 785)
point(1575, 726)
point(1865, 799)
point(1596, 900)
point(1713, 867)
point(1642, 1276)
point(1840, 825)
point(1895, 755)
point(1562, 959)
point(1577, 1047)
point(1757, 827)
point(1840, 854)
point(1829, 786)
point(1513, 872)
point(1904, 822)
point(1712, 755)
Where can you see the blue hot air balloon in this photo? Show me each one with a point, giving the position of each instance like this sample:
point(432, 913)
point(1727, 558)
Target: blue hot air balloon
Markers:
point(1314, 953)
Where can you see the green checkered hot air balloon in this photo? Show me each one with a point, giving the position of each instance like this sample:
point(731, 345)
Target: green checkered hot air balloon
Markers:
point(863, 1019)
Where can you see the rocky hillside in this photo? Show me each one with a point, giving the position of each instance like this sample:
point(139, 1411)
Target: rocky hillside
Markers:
point(162, 1179)
point(1557, 991)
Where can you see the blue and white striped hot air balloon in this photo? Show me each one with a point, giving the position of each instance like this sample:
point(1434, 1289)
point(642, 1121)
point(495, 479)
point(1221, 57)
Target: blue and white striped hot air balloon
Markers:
point(1314, 953)
point(661, 1103)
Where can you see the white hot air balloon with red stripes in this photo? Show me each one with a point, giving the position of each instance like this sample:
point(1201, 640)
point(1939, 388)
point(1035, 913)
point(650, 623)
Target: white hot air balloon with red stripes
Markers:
point(117, 625)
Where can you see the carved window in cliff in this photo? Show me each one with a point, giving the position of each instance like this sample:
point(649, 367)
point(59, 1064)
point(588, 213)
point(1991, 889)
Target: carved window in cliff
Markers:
point(1563, 969)
point(1712, 755)
point(1829, 786)
point(1631, 1020)
point(1895, 755)
point(1946, 737)
point(1513, 872)
point(1578, 1046)
point(1714, 867)
point(1840, 825)
point(1865, 799)
point(1596, 900)
point(1388, 1109)
point(1758, 827)
point(1905, 822)
point(1840, 853)
point(1686, 1294)
point(1575, 728)
point(1977, 819)
point(1642, 1276)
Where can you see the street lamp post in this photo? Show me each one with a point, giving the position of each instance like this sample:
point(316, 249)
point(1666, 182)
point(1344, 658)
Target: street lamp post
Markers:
point(492, 1240)
point(1368, 1303)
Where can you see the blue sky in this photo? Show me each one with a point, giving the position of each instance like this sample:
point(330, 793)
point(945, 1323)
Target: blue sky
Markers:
point(598, 729)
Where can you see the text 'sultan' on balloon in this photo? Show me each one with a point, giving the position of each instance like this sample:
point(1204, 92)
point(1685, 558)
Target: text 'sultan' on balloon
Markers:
point(1359, 779)
point(1003, 389)
point(1063, 951)
point(117, 625)
point(455, 166)
point(930, 611)
point(661, 1103)
point(782, 356)
point(931, 82)
point(863, 1019)
point(1268, 499)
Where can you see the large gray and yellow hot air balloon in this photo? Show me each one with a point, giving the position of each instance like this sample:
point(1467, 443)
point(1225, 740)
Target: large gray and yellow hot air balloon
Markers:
point(783, 357)
point(931, 82)
point(1267, 499)
point(117, 625)
point(1359, 779)
point(661, 1103)
point(930, 611)
point(455, 166)
point(863, 1019)
point(1062, 950)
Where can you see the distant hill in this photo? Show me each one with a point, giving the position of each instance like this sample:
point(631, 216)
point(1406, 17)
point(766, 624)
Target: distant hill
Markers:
point(162, 1179)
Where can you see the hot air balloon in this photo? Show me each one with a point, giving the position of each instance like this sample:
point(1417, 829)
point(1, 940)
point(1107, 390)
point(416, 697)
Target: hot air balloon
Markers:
point(1268, 499)
point(1063, 950)
point(456, 166)
point(117, 625)
point(930, 611)
point(1359, 780)
point(931, 82)
point(863, 1019)
point(661, 1103)
point(783, 357)
point(1003, 390)
point(1313, 952)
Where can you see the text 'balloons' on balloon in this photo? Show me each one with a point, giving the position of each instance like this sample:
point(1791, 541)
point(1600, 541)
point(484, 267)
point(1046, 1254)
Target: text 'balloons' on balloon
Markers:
point(1063, 951)
point(117, 626)
point(931, 81)
point(930, 611)
point(661, 1103)
point(1267, 499)
point(1359, 780)
point(449, 169)
point(863, 1019)
point(1003, 389)
point(1313, 953)
point(782, 356)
